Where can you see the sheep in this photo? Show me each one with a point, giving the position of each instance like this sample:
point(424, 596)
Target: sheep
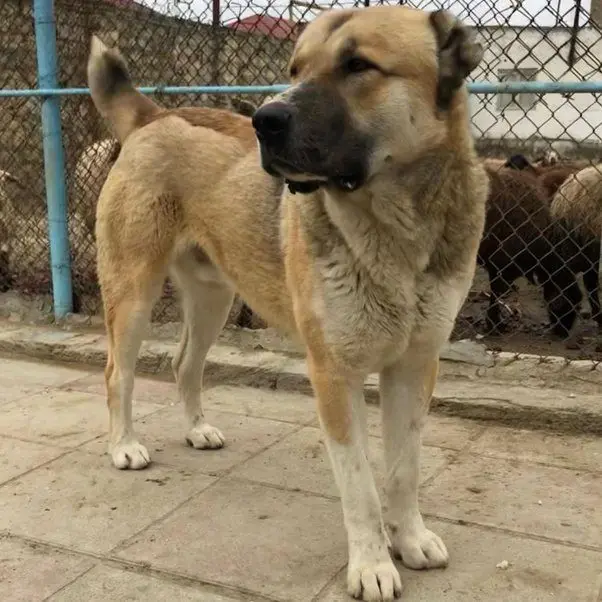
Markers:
point(7, 181)
point(577, 205)
point(579, 200)
point(548, 158)
point(581, 249)
point(91, 171)
point(521, 239)
point(24, 250)
point(550, 175)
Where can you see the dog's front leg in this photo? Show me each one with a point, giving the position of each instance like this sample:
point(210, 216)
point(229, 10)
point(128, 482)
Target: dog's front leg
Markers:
point(371, 575)
point(406, 389)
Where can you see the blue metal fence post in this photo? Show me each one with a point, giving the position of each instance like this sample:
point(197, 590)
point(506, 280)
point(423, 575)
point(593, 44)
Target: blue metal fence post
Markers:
point(54, 158)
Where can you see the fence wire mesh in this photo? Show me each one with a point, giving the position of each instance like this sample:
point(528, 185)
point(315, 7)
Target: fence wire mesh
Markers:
point(536, 287)
point(24, 254)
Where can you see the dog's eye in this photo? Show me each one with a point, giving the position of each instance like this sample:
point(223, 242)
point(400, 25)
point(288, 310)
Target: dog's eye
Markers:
point(294, 71)
point(358, 65)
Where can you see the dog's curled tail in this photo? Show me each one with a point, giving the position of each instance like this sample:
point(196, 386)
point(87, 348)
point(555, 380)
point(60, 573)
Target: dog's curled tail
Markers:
point(113, 92)
point(579, 201)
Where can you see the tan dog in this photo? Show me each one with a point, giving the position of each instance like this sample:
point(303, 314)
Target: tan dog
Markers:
point(369, 265)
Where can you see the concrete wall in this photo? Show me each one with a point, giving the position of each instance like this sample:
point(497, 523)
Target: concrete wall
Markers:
point(569, 119)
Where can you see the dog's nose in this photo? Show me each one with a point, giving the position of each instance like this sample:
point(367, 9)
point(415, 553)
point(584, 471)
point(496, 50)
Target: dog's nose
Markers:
point(272, 122)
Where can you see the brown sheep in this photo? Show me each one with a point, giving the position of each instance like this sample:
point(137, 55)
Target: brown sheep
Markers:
point(521, 239)
point(572, 202)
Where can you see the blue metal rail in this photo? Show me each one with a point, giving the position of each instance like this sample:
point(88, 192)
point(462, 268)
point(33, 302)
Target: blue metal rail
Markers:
point(591, 87)
point(54, 158)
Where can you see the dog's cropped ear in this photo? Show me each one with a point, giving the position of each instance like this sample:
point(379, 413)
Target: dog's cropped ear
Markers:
point(458, 52)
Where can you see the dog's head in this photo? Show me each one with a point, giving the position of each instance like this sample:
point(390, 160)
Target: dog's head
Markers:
point(370, 88)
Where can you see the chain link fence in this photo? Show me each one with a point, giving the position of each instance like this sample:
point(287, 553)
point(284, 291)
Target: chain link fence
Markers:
point(536, 287)
point(24, 247)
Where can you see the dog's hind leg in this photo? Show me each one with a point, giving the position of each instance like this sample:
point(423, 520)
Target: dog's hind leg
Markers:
point(406, 389)
point(206, 301)
point(128, 306)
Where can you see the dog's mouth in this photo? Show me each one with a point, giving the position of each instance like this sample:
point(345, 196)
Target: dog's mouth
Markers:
point(303, 182)
point(297, 180)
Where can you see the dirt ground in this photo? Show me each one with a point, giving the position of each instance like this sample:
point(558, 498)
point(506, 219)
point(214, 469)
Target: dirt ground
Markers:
point(528, 324)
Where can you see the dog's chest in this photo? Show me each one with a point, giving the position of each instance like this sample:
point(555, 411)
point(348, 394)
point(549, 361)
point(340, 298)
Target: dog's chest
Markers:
point(371, 325)
point(376, 288)
point(367, 309)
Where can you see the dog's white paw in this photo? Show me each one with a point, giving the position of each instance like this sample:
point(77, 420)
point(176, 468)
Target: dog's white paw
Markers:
point(420, 549)
point(205, 436)
point(374, 582)
point(130, 454)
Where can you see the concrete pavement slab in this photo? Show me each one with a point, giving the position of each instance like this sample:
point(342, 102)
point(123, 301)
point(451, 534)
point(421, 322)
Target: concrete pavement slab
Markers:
point(148, 390)
point(61, 418)
point(30, 573)
point(262, 403)
point(29, 373)
point(82, 502)
point(301, 462)
point(17, 457)
point(529, 497)
point(537, 446)
point(19, 378)
point(495, 396)
point(12, 392)
point(164, 435)
point(538, 571)
point(277, 543)
point(108, 584)
point(545, 501)
point(508, 394)
point(440, 431)
point(249, 401)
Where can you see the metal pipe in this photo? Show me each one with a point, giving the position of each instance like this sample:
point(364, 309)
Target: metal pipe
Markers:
point(154, 90)
point(54, 158)
point(590, 87)
point(574, 31)
point(216, 13)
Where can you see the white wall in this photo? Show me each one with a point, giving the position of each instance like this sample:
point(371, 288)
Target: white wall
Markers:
point(577, 118)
